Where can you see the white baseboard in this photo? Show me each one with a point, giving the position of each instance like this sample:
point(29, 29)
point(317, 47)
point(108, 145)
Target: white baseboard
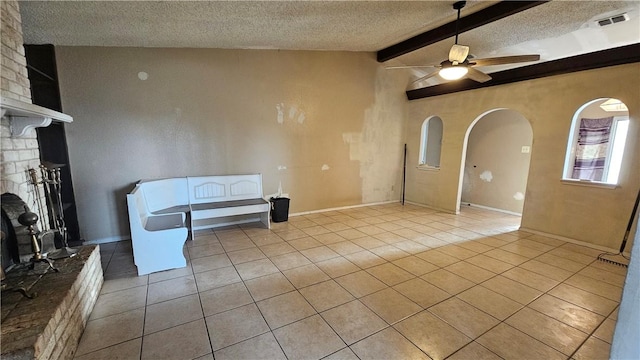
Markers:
point(430, 207)
point(342, 208)
point(573, 241)
point(491, 208)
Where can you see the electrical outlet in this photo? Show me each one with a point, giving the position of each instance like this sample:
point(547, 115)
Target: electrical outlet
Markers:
point(526, 149)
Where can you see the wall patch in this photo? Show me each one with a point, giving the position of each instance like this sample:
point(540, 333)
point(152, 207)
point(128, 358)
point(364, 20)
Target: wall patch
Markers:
point(280, 109)
point(486, 176)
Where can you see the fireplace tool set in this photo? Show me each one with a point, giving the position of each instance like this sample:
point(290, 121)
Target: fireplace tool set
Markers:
point(29, 219)
point(50, 181)
point(51, 184)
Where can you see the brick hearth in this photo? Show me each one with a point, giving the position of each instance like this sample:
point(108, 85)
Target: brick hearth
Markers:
point(50, 325)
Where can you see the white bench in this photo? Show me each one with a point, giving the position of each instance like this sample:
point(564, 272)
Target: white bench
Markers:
point(157, 239)
point(226, 199)
point(158, 209)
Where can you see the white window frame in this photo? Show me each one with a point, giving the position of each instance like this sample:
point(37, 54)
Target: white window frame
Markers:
point(573, 143)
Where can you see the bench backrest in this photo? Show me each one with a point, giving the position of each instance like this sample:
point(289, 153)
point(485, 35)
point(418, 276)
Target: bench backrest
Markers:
point(137, 206)
point(208, 189)
point(165, 193)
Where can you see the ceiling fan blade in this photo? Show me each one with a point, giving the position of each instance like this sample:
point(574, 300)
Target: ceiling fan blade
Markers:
point(409, 67)
point(424, 77)
point(504, 60)
point(458, 53)
point(477, 75)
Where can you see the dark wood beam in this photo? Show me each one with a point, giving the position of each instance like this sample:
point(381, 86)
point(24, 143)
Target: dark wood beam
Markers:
point(472, 21)
point(599, 59)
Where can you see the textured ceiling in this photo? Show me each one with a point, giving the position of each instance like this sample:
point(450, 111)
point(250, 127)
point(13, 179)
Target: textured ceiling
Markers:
point(554, 30)
point(298, 25)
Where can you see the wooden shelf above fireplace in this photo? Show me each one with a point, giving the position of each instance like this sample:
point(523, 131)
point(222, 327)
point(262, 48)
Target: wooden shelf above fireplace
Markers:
point(24, 116)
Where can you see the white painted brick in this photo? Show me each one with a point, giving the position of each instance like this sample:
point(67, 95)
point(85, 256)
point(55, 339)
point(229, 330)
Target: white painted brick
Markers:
point(16, 178)
point(10, 155)
point(19, 144)
point(22, 166)
point(23, 80)
point(5, 84)
point(21, 52)
point(14, 10)
point(34, 164)
point(9, 168)
point(9, 95)
point(32, 143)
point(5, 143)
point(14, 87)
point(8, 39)
point(9, 74)
point(10, 64)
point(25, 154)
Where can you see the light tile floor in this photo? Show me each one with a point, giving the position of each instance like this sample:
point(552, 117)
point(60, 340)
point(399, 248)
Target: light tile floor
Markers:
point(379, 282)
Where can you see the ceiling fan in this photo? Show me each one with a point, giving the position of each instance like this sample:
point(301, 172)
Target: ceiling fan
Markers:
point(460, 64)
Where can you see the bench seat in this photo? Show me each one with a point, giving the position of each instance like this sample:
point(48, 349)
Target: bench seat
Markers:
point(228, 204)
point(165, 222)
point(172, 210)
point(158, 211)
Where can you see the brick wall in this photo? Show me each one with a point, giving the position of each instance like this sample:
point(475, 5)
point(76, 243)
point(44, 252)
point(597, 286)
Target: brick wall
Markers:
point(15, 81)
point(18, 155)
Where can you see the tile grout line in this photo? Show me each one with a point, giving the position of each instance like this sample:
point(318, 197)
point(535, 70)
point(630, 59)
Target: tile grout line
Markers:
point(204, 318)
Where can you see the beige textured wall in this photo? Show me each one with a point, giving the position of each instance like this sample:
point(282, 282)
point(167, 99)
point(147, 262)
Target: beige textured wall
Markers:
point(496, 169)
point(595, 215)
point(328, 125)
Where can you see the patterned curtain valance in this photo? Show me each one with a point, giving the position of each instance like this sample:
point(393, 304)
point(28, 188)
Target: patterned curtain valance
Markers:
point(592, 148)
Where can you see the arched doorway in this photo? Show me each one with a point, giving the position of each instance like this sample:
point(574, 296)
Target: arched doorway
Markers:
point(495, 161)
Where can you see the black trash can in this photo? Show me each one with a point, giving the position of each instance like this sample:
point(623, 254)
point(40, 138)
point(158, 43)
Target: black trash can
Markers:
point(279, 209)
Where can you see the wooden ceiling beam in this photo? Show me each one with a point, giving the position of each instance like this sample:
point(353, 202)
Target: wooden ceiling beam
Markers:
point(599, 59)
point(472, 21)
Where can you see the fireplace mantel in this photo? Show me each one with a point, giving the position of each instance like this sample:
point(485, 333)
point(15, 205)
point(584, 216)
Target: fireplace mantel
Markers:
point(24, 116)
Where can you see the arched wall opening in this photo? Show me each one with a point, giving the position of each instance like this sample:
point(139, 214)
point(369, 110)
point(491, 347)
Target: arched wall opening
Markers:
point(495, 161)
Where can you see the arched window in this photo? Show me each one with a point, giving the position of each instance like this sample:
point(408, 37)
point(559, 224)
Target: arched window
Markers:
point(430, 142)
point(596, 142)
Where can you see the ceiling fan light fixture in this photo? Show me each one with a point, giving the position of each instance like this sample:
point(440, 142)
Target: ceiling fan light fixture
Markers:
point(453, 72)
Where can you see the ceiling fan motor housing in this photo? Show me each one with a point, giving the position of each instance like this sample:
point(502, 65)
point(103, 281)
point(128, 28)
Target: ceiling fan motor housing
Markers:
point(459, 5)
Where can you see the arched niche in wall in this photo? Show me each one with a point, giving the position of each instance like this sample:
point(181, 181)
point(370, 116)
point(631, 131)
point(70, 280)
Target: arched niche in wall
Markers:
point(430, 143)
point(596, 142)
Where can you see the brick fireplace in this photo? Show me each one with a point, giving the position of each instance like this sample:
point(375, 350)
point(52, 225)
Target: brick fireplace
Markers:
point(49, 325)
point(18, 154)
